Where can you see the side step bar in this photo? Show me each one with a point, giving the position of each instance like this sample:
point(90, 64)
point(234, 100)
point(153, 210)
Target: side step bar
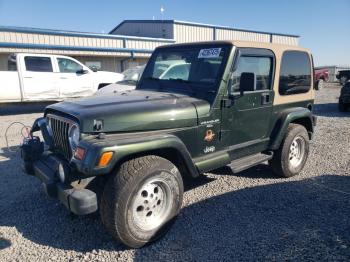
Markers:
point(246, 162)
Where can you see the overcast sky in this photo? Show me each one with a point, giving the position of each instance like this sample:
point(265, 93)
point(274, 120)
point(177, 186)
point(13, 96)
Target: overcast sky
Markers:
point(324, 26)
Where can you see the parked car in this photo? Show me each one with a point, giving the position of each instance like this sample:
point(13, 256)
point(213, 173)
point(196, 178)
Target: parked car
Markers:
point(127, 154)
point(344, 98)
point(321, 76)
point(343, 76)
point(130, 78)
point(165, 70)
point(41, 77)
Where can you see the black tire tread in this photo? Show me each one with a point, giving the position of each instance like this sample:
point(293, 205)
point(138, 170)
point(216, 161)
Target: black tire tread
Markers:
point(126, 172)
point(341, 106)
point(278, 162)
point(111, 195)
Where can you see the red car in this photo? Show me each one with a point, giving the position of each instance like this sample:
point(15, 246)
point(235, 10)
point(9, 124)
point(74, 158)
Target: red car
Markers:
point(321, 75)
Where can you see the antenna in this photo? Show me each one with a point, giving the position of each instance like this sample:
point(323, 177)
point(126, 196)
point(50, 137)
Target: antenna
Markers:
point(162, 12)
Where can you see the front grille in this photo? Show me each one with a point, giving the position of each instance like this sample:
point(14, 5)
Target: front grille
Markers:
point(60, 128)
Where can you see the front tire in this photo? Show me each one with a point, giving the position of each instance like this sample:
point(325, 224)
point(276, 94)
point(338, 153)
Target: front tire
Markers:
point(141, 201)
point(291, 157)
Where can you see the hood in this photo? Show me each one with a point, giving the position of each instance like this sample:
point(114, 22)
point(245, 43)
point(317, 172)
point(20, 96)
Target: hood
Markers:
point(134, 110)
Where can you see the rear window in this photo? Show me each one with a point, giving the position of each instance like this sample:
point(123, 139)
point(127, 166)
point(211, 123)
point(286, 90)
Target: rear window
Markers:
point(295, 75)
point(38, 64)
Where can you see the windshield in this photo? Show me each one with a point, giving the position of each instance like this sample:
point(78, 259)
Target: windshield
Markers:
point(196, 70)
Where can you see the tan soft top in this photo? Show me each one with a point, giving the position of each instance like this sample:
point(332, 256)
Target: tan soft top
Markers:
point(242, 44)
point(278, 50)
point(271, 46)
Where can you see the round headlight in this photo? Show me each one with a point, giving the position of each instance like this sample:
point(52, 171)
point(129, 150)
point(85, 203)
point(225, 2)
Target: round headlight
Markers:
point(74, 136)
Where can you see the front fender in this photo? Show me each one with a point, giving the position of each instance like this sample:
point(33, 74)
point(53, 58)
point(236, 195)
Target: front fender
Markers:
point(298, 115)
point(124, 148)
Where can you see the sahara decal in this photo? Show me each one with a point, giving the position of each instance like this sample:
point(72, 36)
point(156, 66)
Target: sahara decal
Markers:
point(209, 135)
point(210, 122)
point(209, 149)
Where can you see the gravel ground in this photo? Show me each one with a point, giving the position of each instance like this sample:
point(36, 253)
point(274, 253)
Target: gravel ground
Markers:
point(249, 216)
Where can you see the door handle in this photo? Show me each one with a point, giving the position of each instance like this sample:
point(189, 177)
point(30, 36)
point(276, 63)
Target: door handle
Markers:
point(63, 77)
point(265, 98)
point(28, 77)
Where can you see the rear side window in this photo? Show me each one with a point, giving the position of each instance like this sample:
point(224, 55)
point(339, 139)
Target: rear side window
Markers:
point(295, 75)
point(38, 64)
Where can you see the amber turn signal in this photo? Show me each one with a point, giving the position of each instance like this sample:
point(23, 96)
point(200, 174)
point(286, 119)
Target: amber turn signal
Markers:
point(105, 159)
point(79, 153)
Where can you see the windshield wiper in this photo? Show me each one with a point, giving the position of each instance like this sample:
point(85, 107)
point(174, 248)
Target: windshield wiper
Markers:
point(129, 82)
point(151, 78)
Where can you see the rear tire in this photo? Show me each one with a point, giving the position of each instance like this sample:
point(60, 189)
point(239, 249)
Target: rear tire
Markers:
point(342, 106)
point(142, 200)
point(320, 84)
point(291, 157)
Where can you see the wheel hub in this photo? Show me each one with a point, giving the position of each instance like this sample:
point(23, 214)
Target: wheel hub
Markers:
point(152, 204)
point(296, 151)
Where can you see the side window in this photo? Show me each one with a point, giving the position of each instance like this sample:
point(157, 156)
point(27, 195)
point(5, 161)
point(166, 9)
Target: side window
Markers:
point(295, 75)
point(68, 66)
point(38, 64)
point(259, 65)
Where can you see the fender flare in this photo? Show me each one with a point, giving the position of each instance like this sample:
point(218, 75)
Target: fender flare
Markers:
point(298, 115)
point(134, 146)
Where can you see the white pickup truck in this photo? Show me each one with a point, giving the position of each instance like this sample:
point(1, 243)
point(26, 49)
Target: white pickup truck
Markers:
point(41, 77)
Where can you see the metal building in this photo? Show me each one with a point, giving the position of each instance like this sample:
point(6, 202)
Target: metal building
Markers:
point(181, 32)
point(112, 52)
point(127, 45)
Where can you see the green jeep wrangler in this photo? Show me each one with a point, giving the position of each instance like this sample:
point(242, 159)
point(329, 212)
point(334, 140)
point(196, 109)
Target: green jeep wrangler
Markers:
point(127, 154)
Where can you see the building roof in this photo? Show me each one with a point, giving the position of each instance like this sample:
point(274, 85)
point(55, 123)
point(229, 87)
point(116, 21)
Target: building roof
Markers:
point(198, 24)
point(28, 38)
point(76, 33)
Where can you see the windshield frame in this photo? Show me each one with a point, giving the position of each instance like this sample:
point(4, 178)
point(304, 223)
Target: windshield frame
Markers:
point(168, 85)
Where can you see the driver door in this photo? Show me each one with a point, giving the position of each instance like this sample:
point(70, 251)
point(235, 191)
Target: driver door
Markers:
point(247, 121)
point(72, 81)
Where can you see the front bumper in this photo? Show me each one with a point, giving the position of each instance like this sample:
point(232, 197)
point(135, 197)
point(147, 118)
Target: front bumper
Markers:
point(78, 201)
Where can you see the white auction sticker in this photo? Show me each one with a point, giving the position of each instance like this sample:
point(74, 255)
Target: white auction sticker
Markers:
point(209, 53)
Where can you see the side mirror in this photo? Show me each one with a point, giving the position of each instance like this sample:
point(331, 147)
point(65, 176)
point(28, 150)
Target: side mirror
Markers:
point(94, 69)
point(82, 72)
point(247, 82)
